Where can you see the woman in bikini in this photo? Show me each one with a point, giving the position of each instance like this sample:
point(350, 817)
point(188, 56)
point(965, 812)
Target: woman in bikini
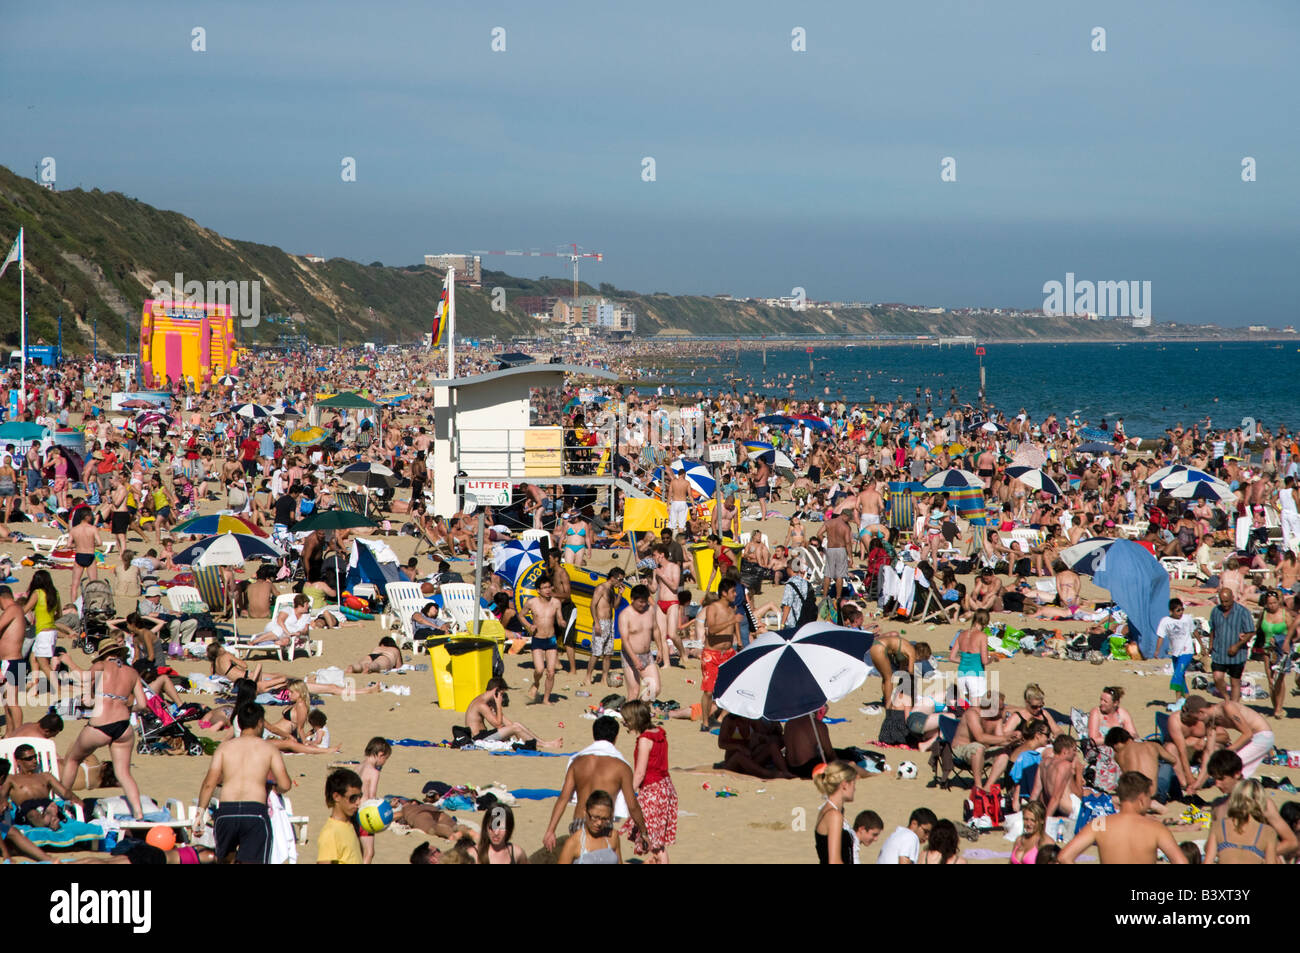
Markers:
point(386, 657)
point(119, 687)
point(288, 733)
point(575, 539)
point(1025, 848)
point(227, 666)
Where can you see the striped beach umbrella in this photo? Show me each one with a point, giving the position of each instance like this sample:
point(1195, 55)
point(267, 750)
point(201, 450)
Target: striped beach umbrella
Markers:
point(227, 380)
point(697, 475)
point(253, 411)
point(953, 479)
point(512, 559)
point(215, 524)
point(780, 676)
point(226, 549)
point(1087, 555)
point(1213, 490)
point(1035, 479)
point(1175, 475)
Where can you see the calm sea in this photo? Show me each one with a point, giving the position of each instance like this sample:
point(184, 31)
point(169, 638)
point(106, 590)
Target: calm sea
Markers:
point(1152, 386)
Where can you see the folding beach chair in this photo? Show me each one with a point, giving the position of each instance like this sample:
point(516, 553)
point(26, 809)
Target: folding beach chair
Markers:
point(901, 511)
point(211, 588)
point(942, 760)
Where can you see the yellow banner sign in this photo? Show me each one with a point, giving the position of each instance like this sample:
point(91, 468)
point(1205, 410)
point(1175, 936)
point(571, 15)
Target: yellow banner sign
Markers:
point(644, 516)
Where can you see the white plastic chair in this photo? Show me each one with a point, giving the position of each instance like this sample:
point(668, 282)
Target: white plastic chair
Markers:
point(46, 754)
point(405, 599)
point(180, 596)
point(458, 602)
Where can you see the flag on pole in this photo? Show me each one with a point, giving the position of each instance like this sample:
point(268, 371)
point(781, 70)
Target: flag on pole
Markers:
point(440, 316)
point(15, 253)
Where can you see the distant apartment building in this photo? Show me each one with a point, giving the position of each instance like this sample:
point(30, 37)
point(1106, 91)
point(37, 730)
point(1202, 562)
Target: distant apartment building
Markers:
point(469, 268)
point(536, 306)
point(1259, 328)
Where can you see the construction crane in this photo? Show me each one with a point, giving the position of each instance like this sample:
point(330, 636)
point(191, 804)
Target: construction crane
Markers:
point(573, 255)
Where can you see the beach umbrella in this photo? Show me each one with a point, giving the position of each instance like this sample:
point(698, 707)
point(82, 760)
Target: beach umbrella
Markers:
point(785, 675)
point(1175, 475)
point(285, 412)
point(812, 421)
point(227, 549)
point(1204, 490)
point(215, 524)
point(775, 420)
point(227, 380)
point(1034, 478)
point(307, 436)
point(990, 427)
point(347, 401)
point(1029, 455)
point(1094, 447)
point(368, 474)
point(153, 418)
point(333, 520)
point(953, 480)
point(512, 559)
point(1139, 585)
point(697, 475)
point(773, 458)
point(1087, 555)
point(253, 411)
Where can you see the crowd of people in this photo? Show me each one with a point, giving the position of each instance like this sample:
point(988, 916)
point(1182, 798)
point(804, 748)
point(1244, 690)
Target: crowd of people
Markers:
point(864, 545)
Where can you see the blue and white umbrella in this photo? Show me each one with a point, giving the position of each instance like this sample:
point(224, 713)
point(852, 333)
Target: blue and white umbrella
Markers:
point(1087, 555)
point(779, 676)
point(227, 380)
point(697, 475)
point(512, 559)
point(226, 549)
point(953, 480)
point(1176, 475)
point(1214, 490)
point(1035, 479)
point(773, 458)
point(253, 411)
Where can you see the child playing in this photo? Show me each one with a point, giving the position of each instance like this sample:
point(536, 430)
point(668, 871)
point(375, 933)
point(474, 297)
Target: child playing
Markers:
point(654, 788)
point(337, 842)
point(1177, 627)
point(319, 736)
point(596, 841)
point(378, 751)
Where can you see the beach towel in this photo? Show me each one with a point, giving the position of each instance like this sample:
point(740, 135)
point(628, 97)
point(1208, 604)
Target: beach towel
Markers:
point(69, 834)
point(284, 846)
point(605, 749)
point(535, 794)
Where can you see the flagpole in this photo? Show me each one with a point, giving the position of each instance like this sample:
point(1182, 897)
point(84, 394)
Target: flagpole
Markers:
point(22, 320)
point(451, 324)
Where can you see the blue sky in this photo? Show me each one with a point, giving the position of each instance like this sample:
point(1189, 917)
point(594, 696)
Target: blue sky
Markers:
point(775, 168)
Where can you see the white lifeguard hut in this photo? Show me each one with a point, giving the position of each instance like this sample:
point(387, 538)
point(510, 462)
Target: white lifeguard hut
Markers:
point(483, 430)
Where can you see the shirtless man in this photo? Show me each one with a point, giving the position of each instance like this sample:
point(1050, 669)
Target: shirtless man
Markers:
point(756, 551)
point(534, 503)
point(1148, 758)
point(636, 629)
point(259, 595)
point(679, 494)
point(753, 747)
point(979, 734)
point(869, 506)
point(668, 579)
point(1254, 744)
point(13, 629)
point(1128, 837)
point(241, 767)
point(721, 642)
point(839, 538)
point(984, 465)
point(85, 539)
point(486, 720)
point(32, 791)
point(604, 598)
point(540, 619)
point(566, 621)
point(596, 772)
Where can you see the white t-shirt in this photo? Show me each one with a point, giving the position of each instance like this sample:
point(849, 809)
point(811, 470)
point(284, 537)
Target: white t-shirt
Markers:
point(1177, 634)
point(902, 843)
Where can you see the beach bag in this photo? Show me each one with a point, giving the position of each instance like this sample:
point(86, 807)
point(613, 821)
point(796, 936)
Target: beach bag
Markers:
point(808, 610)
point(985, 804)
point(1092, 807)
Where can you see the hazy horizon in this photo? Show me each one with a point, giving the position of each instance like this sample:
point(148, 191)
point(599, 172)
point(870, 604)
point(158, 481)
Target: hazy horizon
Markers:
point(774, 169)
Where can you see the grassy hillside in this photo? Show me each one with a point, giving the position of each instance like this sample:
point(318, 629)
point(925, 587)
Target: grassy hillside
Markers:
point(94, 256)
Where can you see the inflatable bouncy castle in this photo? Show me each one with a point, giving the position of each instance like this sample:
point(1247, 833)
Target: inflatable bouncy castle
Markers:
point(188, 341)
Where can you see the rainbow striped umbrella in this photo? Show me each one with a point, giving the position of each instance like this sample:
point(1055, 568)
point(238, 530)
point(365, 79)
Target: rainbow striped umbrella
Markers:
point(214, 525)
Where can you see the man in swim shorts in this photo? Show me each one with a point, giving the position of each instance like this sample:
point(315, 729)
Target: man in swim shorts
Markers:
point(603, 599)
point(541, 613)
point(636, 629)
point(678, 501)
point(721, 642)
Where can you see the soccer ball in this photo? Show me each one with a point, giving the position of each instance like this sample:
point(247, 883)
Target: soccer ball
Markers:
point(375, 815)
point(907, 771)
